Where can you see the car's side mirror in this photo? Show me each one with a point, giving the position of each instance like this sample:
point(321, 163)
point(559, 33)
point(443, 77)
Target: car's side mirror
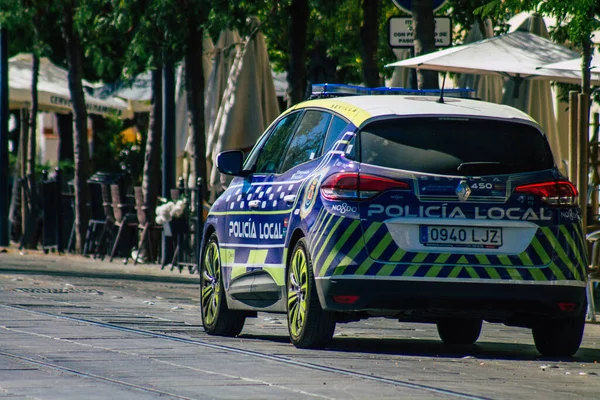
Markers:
point(231, 162)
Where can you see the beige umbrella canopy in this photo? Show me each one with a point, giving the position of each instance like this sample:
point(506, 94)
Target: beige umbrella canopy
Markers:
point(53, 89)
point(535, 96)
point(400, 76)
point(223, 56)
point(182, 124)
point(248, 104)
point(487, 87)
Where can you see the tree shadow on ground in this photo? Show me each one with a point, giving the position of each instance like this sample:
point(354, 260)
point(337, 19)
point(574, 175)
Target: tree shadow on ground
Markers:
point(427, 348)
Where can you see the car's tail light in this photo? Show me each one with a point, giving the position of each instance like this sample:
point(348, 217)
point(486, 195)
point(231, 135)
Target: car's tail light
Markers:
point(355, 186)
point(554, 193)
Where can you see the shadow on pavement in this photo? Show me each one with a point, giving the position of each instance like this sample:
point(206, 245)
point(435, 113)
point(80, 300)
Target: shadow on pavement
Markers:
point(484, 350)
point(191, 280)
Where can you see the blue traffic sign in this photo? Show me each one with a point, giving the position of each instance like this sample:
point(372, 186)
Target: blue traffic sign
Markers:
point(406, 5)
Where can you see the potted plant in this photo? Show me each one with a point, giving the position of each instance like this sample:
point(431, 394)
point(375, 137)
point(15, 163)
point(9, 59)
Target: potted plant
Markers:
point(171, 215)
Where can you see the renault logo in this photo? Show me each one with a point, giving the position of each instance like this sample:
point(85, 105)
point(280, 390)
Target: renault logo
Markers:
point(463, 191)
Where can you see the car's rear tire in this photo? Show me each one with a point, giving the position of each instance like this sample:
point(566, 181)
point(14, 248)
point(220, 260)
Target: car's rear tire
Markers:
point(217, 318)
point(559, 337)
point(308, 324)
point(458, 331)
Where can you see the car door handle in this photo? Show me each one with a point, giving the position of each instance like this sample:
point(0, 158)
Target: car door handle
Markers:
point(253, 203)
point(290, 198)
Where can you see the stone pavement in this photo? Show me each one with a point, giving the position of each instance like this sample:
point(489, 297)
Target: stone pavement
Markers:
point(36, 262)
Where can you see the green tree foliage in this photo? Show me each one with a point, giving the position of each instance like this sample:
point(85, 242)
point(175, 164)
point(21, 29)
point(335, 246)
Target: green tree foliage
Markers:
point(575, 23)
point(464, 14)
point(333, 38)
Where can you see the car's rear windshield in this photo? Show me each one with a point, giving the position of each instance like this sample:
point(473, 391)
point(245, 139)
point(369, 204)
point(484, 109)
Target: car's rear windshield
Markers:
point(455, 146)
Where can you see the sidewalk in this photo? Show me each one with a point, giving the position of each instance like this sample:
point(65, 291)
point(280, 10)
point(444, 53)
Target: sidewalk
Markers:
point(36, 262)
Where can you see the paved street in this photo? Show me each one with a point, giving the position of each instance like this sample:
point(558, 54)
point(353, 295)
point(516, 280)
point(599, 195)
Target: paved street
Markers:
point(73, 328)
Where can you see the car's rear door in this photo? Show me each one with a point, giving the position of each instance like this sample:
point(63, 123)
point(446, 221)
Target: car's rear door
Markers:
point(459, 206)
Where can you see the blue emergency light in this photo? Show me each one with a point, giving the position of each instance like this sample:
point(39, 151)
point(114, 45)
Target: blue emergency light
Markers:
point(324, 90)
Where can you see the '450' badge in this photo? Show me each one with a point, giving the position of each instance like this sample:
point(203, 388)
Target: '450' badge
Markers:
point(310, 194)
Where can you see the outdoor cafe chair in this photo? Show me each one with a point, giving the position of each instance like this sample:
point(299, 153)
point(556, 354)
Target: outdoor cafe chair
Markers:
point(97, 221)
point(146, 225)
point(106, 235)
point(125, 220)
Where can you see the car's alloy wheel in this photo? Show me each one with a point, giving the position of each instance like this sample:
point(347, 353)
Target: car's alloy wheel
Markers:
point(308, 324)
point(559, 337)
point(456, 331)
point(217, 318)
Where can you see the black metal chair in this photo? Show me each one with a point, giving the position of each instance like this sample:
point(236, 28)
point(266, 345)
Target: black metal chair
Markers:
point(124, 220)
point(97, 223)
point(106, 235)
point(52, 212)
point(147, 226)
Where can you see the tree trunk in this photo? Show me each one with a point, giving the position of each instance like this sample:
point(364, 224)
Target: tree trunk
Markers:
point(322, 68)
point(23, 150)
point(151, 179)
point(98, 125)
point(194, 85)
point(14, 213)
point(586, 50)
point(424, 31)
point(32, 201)
point(80, 137)
point(31, 154)
point(296, 73)
point(65, 134)
point(369, 38)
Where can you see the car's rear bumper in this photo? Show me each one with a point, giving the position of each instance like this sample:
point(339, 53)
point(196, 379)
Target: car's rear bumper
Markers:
point(427, 301)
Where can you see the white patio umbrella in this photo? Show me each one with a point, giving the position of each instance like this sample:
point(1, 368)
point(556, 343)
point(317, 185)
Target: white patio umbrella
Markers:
point(53, 89)
point(574, 65)
point(224, 54)
point(248, 105)
point(534, 97)
point(182, 123)
point(515, 54)
point(400, 76)
point(183, 126)
point(136, 92)
point(487, 87)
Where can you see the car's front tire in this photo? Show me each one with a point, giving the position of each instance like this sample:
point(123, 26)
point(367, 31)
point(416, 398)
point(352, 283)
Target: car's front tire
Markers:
point(308, 324)
point(457, 331)
point(217, 318)
point(559, 337)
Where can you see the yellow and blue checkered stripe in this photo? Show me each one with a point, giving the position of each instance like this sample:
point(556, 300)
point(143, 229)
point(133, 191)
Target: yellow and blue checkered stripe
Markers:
point(238, 261)
point(337, 245)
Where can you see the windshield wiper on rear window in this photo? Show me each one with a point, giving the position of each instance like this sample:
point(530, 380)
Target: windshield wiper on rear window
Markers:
point(485, 168)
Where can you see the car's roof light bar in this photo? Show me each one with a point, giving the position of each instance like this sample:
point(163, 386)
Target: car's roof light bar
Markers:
point(325, 90)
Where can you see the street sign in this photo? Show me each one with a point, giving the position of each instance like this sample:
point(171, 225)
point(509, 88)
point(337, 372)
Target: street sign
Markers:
point(406, 5)
point(400, 32)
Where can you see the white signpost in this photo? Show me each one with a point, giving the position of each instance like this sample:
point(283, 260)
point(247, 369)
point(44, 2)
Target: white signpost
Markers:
point(401, 33)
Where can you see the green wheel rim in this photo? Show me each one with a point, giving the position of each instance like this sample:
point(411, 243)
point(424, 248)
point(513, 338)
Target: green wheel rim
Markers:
point(211, 283)
point(297, 293)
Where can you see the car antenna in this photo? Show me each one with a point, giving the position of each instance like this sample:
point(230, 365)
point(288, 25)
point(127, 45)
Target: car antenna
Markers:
point(441, 99)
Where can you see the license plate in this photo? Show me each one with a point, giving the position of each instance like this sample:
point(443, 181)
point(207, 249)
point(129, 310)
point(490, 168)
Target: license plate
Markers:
point(461, 236)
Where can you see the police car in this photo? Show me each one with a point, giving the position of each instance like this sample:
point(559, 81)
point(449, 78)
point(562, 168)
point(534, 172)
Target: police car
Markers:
point(435, 209)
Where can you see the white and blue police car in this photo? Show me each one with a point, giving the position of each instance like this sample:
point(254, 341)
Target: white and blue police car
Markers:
point(388, 203)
